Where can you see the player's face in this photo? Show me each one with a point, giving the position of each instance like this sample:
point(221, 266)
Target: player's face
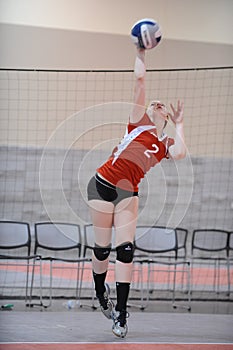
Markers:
point(157, 109)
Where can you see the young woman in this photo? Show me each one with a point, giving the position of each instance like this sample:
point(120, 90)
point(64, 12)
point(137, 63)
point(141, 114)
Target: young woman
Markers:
point(113, 192)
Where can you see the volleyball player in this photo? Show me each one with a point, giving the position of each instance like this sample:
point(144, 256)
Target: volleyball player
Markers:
point(113, 191)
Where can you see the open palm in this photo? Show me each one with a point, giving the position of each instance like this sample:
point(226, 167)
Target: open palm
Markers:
point(177, 113)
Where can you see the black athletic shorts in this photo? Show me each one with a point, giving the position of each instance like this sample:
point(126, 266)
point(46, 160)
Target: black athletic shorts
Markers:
point(100, 189)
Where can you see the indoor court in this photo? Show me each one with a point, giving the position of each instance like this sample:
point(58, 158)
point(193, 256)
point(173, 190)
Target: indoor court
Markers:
point(66, 93)
point(160, 331)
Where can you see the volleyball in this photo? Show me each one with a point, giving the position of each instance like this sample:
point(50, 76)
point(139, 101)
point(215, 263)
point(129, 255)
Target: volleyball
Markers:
point(146, 33)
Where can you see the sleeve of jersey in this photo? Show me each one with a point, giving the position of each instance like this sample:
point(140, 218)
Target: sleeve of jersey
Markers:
point(169, 142)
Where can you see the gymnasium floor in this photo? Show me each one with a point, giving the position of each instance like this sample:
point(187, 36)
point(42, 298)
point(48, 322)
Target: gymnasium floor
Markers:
point(208, 326)
point(82, 328)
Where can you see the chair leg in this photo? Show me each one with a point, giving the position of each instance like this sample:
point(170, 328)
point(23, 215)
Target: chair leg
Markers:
point(148, 285)
point(30, 304)
point(188, 271)
point(215, 277)
point(27, 279)
point(168, 279)
point(189, 284)
point(142, 307)
point(191, 276)
point(50, 284)
point(228, 278)
point(182, 281)
point(187, 307)
point(174, 286)
point(41, 287)
point(79, 283)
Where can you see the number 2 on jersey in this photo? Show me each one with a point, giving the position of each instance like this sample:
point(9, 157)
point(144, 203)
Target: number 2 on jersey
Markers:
point(149, 151)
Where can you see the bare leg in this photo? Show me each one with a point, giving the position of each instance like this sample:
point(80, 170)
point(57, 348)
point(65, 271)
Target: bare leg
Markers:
point(102, 219)
point(125, 221)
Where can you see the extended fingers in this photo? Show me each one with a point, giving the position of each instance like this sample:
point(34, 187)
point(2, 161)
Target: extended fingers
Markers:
point(180, 106)
point(172, 108)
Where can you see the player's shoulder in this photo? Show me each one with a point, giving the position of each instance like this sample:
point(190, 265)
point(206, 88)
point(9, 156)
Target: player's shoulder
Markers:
point(145, 120)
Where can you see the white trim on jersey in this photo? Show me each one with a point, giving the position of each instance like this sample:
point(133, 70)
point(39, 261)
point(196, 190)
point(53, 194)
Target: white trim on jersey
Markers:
point(128, 137)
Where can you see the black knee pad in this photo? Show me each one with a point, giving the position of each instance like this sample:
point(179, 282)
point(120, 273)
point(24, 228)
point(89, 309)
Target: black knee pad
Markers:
point(101, 253)
point(124, 252)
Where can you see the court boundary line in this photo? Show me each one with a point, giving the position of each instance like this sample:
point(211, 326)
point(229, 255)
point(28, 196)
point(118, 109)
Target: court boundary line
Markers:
point(116, 342)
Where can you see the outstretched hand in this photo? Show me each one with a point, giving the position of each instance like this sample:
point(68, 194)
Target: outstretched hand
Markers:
point(177, 113)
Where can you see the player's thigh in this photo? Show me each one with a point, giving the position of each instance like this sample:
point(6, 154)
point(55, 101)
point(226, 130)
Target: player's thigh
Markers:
point(102, 219)
point(125, 220)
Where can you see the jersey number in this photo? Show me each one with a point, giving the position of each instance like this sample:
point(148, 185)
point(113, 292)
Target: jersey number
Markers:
point(149, 151)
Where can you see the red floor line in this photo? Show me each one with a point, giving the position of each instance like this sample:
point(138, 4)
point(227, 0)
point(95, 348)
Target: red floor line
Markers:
point(114, 346)
point(200, 275)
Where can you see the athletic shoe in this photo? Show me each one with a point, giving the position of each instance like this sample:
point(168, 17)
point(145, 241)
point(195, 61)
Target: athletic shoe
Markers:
point(106, 304)
point(120, 327)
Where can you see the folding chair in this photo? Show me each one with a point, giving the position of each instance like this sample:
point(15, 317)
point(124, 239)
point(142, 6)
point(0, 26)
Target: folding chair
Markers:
point(210, 246)
point(158, 245)
point(15, 247)
point(229, 259)
point(182, 235)
point(58, 242)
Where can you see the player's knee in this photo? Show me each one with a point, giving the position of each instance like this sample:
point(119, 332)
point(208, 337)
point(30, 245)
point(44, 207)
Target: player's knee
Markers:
point(124, 252)
point(101, 253)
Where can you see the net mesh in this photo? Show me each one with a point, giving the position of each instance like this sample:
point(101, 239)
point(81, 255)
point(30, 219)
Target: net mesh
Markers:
point(58, 126)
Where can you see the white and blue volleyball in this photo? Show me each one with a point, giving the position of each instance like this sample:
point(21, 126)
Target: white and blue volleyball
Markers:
point(146, 33)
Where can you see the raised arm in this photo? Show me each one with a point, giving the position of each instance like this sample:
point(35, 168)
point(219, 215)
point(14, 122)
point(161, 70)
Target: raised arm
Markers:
point(178, 150)
point(139, 89)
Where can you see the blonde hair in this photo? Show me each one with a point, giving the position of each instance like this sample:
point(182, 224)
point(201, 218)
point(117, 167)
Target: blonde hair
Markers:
point(149, 104)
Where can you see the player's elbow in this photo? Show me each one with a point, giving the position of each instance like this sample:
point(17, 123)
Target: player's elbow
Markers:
point(178, 154)
point(141, 82)
point(181, 154)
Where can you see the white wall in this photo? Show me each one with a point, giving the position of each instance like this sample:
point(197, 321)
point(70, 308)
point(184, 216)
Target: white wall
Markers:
point(192, 20)
point(94, 34)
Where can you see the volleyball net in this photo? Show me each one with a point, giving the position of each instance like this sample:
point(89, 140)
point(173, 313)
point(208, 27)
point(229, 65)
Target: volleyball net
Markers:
point(57, 127)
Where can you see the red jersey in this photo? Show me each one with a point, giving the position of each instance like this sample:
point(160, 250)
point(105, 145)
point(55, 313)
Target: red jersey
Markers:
point(139, 150)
